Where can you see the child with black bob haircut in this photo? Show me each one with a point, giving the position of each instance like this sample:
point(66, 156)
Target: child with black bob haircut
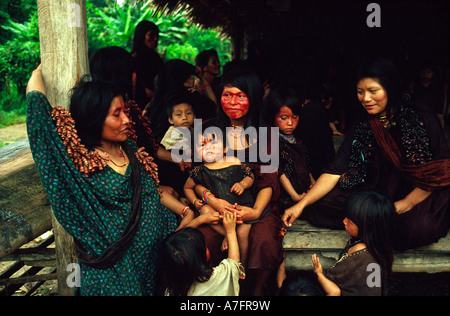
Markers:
point(184, 268)
point(365, 264)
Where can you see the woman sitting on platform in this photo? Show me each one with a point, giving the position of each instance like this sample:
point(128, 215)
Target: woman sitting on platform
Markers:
point(396, 151)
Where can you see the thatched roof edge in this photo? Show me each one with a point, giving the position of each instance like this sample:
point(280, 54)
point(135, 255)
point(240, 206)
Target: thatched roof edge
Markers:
point(209, 14)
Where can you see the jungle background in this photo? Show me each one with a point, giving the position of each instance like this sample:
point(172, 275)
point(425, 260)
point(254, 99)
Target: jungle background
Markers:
point(110, 22)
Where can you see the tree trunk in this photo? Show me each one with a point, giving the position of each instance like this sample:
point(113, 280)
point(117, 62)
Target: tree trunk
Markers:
point(64, 58)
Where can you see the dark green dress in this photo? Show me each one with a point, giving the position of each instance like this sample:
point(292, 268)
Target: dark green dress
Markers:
point(95, 209)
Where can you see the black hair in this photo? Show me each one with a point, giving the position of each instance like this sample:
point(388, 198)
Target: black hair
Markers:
point(141, 30)
point(248, 82)
point(183, 261)
point(375, 216)
point(171, 78)
point(301, 283)
point(177, 98)
point(276, 99)
point(115, 65)
point(207, 129)
point(202, 58)
point(388, 76)
point(174, 74)
point(89, 106)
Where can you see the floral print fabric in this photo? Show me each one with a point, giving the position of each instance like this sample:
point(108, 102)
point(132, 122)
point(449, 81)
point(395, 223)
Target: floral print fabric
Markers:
point(95, 209)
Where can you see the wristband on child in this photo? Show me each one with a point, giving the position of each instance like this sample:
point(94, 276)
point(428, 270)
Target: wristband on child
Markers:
point(183, 213)
point(243, 184)
point(205, 196)
point(193, 202)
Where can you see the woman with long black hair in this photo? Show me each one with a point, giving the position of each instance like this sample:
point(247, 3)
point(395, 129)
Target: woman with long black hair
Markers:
point(240, 111)
point(394, 150)
point(148, 61)
point(103, 189)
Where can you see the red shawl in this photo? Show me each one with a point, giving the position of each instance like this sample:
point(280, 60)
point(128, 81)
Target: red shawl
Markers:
point(432, 175)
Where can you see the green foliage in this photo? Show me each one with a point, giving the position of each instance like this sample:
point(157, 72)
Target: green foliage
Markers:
point(206, 39)
point(186, 52)
point(115, 25)
point(17, 11)
point(108, 24)
point(18, 57)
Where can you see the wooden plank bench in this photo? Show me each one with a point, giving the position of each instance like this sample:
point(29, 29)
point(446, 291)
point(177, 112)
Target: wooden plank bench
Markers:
point(25, 211)
point(302, 240)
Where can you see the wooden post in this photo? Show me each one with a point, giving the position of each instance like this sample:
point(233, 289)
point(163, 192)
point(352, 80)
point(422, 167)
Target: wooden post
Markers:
point(64, 58)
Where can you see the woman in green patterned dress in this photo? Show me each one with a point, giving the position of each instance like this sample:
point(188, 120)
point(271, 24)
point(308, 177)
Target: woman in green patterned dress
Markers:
point(102, 188)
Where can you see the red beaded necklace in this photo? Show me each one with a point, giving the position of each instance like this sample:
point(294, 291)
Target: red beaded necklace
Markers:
point(121, 155)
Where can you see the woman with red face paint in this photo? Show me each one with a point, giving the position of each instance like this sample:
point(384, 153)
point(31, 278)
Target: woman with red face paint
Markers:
point(395, 150)
point(241, 107)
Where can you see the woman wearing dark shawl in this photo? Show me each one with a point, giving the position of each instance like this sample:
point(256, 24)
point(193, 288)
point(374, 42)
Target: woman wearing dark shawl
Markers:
point(148, 61)
point(396, 151)
point(102, 188)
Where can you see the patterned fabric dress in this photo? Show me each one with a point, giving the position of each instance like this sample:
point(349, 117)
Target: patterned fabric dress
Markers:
point(95, 209)
point(363, 166)
point(295, 166)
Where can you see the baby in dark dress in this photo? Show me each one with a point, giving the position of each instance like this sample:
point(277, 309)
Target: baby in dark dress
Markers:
point(225, 178)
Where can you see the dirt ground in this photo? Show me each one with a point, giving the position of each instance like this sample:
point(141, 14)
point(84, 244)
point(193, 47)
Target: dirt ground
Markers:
point(13, 133)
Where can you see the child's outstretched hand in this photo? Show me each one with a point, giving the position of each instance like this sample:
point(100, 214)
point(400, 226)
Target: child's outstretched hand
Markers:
point(211, 218)
point(330, 288)
point(317, 266)
point(237, 188)
point(229, 221)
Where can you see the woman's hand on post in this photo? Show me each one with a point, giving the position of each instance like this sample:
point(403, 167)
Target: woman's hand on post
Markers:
point(36, 82)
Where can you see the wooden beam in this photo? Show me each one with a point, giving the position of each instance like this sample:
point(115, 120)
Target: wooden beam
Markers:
point(24, 207)
point(32, 278)
point(303, 240)
point(31, 254)
point(64, 58)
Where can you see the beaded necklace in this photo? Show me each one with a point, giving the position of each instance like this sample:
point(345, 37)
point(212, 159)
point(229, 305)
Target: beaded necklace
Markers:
point(385, 121)
point(414, 144)
point(237, 130)
point(121, 155)
point(290, 139)
point(87, 161)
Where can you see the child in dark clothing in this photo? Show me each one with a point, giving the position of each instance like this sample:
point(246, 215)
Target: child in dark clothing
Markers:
point(226, 178)
point(366, 262)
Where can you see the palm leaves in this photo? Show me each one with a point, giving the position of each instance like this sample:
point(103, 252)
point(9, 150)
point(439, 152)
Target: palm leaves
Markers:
point(115, 25)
